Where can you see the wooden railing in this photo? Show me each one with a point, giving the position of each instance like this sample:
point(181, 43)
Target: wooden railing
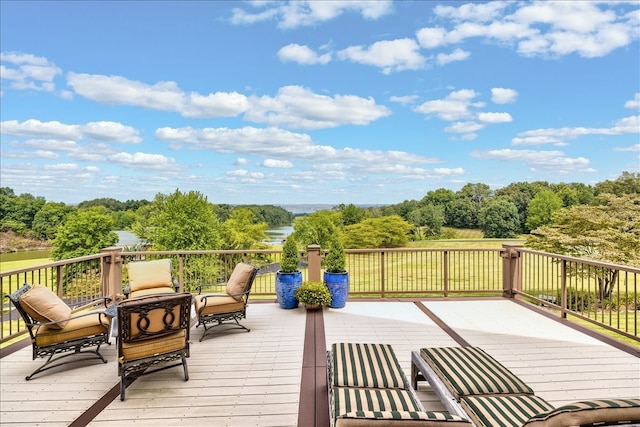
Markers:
point(578, 287)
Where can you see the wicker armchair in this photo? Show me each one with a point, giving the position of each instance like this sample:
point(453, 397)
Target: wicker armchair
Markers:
point(54, 329)
point(229, 304)
point(152, 331)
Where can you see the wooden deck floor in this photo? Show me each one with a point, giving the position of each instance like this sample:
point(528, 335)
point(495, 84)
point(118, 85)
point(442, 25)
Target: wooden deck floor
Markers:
point(247, 379)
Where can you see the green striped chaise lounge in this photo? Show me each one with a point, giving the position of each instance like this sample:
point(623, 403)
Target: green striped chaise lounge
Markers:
point(367, 386)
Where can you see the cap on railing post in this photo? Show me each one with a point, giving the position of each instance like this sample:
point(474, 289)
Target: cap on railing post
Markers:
point(314, 258)
point(112, 272)
point(510, 270)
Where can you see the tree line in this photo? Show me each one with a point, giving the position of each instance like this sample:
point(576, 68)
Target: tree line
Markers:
point(187, 220)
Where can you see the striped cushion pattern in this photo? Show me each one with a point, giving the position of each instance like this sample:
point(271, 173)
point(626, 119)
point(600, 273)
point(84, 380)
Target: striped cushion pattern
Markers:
point(395, 418)
point(590, 412)
point(503, 411)
point(346, 400)
point(366, 365)
point(469, 371)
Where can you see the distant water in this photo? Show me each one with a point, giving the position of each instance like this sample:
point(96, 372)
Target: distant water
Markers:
point(127, 238)
point(278, 234)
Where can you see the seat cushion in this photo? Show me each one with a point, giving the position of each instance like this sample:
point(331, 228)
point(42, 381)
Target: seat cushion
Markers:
point(217, 303)
point(150, 274)
point(590, 412)
point(44, 306)
point(366, 365)
point(400, 419)
point(76, 328)
point(347, 399)
point(239, 280)
point(161, 345)
point(152, 292)
point(468, 371)
point(505, 411)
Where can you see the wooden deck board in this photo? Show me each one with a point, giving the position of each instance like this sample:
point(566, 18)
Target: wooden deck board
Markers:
point(244, 379)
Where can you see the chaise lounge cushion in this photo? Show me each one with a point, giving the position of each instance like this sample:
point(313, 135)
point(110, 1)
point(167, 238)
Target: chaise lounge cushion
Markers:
point(504, 410)
point(348, 399)
point(44, 306)
point(366, 365)
point(468, 371)
point(400, 419)
point(590, 412)
point(239, 280)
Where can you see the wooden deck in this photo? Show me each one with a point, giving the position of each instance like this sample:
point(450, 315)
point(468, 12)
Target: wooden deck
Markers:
point(265, 377)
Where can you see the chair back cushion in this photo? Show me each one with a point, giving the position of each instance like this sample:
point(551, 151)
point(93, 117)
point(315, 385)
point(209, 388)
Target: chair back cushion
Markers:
point(43, 305)
point(239, 280)
point(150, 274)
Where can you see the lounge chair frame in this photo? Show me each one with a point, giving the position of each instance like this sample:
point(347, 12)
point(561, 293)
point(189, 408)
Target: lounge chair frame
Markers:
point(65, 349)
point(211, 321)
point(147, 331)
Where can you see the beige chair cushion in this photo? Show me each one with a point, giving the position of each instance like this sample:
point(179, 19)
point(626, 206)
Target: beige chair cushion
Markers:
point(76, 328)
point(44, 306)
point(150, 274)
point(151, 347)
point(239, 280)
point(216, 304)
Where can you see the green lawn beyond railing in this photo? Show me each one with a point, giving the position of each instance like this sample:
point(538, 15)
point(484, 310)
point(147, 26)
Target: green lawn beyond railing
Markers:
point(572, 287)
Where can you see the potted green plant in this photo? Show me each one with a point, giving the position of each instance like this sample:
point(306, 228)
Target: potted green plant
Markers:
point(336, 277)
point(288, 277)
point(313, 295)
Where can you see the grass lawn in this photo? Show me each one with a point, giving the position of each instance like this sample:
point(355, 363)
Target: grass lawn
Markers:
point(14, 265)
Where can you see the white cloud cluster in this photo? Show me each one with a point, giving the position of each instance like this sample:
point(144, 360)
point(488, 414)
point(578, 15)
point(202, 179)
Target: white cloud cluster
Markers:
point(301, 13)
point(549, 29)
point(28, 71)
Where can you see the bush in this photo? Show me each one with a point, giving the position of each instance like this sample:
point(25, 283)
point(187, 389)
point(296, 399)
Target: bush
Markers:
point(335, 261)
point(313, 293)
point(290, 256)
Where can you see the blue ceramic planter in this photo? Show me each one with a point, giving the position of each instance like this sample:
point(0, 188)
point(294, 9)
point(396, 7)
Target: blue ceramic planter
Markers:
point(286, 285)
point(338, 285)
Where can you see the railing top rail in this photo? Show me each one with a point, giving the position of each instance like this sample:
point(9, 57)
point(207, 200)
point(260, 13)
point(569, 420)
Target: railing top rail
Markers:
point(355, 251)
point(204, 252)
point(53, 264)
point(609, 265)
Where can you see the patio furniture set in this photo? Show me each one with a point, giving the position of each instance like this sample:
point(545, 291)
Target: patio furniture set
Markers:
point(151, 324)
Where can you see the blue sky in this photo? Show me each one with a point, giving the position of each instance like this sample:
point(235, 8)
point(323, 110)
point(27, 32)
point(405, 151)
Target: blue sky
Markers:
point(314, 102)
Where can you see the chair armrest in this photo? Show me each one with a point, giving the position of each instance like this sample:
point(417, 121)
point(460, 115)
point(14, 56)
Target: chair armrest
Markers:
point(89, 313)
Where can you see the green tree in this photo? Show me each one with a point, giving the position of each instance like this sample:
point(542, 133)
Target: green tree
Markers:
point(179, 221)
point(439, 197)
point(607, 231)
point(429, 219)
point(241, 231)
point(461, 213)
point(317, 228)
point(627, 183)
point(49, 218)
point(84, 232)
point(499, 219)
point(541, 208)
point(351, 214)
point(384, 232)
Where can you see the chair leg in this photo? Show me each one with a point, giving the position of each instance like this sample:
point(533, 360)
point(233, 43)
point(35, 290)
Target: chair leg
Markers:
point(123, 386)
point(53, 363)
point(186, 371)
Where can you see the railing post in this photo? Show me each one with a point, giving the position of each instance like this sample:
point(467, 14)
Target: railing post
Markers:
point(563, 289)
point(314, 259)
point(511, 281)
point(445, 273)
point(382, 273)
point(112, 272)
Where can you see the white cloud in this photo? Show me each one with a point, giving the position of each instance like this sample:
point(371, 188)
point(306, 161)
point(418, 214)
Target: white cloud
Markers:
point(294, 14)
point(300, 108)
point(54, 130)
point(390, 55)
point(500, 95)
point(550, 161)
point(633, 104)
point(28, 71)
point(456, 55)
point(632, 148)
point(495, 117)
point(302, 55)
point(143, 160)
point(273, 163)
point(454, 106)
